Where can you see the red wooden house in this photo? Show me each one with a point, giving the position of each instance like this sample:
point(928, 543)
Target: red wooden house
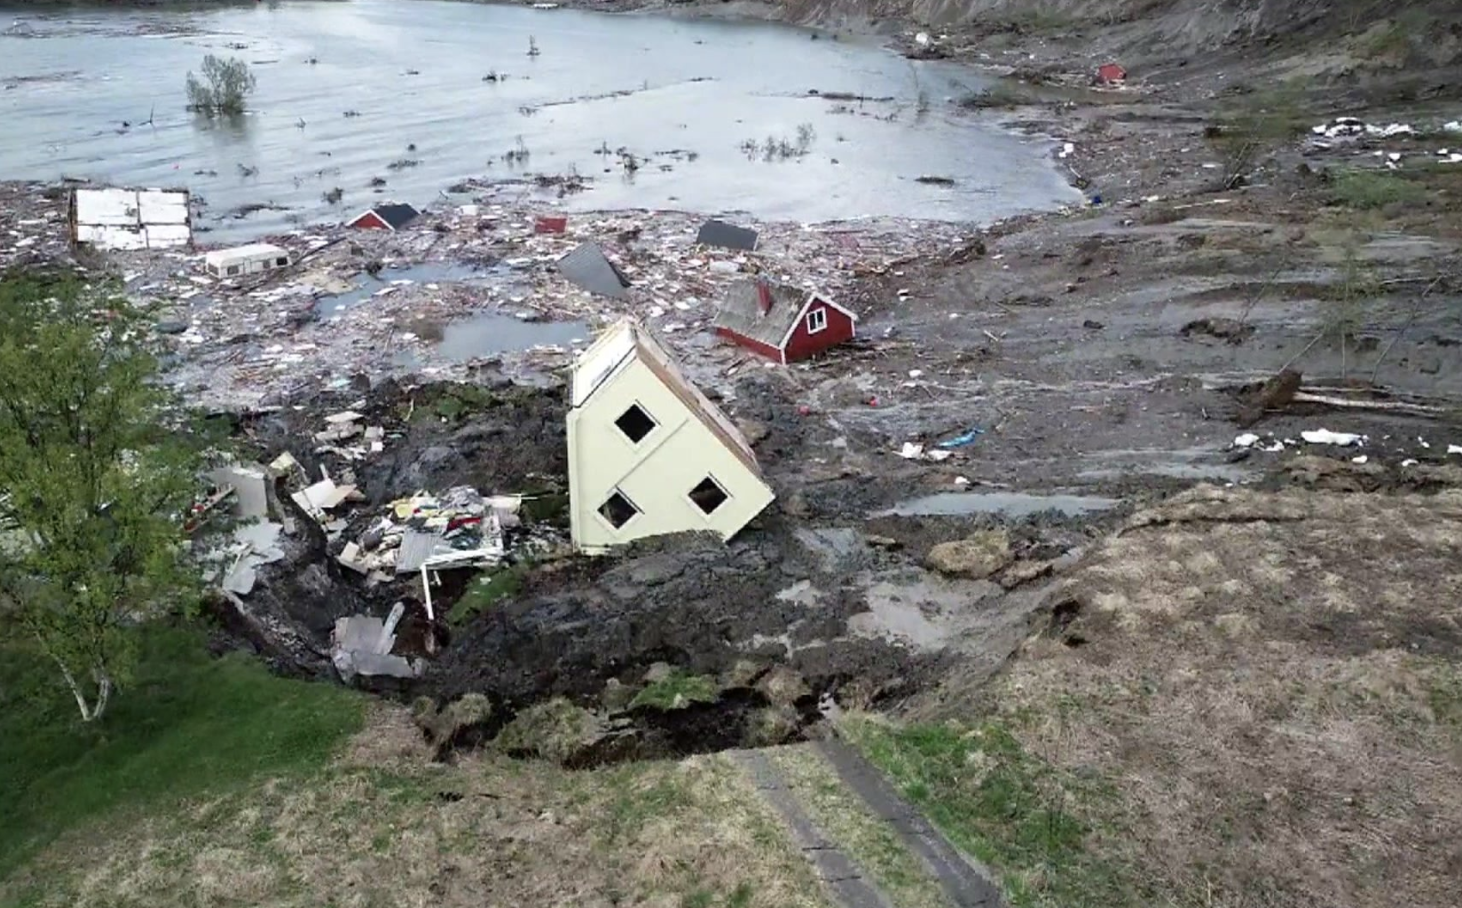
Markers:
point(783, 323)
point(1110, 74)
point(387, 216)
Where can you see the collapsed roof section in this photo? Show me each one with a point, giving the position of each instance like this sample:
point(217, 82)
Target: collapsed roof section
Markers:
point(129, 219)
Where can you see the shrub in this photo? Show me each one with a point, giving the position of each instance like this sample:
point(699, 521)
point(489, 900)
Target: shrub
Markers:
point(1374, 189)
point(223, 89)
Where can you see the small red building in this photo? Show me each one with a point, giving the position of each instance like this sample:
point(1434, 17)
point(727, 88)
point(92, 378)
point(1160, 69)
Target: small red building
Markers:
point(783, 323)
point(1110, 74)
point(389, 216)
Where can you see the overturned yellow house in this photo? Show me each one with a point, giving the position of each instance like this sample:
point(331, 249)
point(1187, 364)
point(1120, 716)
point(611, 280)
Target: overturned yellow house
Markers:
point(649, 454)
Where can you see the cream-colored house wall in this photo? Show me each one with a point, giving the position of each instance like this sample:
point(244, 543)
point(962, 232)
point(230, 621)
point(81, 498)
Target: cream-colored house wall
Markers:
point(656, 474)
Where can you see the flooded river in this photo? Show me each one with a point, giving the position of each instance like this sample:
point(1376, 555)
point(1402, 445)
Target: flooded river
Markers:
point(398, 90)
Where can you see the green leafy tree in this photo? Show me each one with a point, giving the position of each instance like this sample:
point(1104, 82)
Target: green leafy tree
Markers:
point(224, 88)
point(96, 476)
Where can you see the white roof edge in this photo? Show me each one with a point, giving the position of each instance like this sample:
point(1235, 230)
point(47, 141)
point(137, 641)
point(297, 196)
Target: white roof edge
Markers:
point(802, 313)
point(246, 250)
point(620, 331)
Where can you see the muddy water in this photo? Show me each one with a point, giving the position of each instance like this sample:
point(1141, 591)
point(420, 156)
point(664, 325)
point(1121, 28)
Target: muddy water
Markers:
point(684, 96)
point(1008, 504)
point(489, 333)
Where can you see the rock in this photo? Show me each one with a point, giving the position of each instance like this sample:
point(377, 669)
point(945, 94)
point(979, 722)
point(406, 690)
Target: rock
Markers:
point(1092, 324)
point(755, 431)
point(171, 327)
point(977, 557)
point(616, 696)
point(795, 505)
point(556, 730)
point(772, 726)
point(743, 674)
point(783, 687)
point(844, 393)
point(1229, 329)
point(1023, 572)
point(1235, 624)
point(1274, 394)
point(1280, 390)
point(465, 722)
point(882, 542)
point(659, 672)
point(424, 713)
point(431, 464)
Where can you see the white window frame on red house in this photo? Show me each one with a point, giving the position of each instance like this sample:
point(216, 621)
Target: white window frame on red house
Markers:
point(820, 316)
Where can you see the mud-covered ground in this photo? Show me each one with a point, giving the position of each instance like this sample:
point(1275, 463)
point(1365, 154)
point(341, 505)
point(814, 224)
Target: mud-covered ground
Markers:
point(1245, 693)
point(1100, 358)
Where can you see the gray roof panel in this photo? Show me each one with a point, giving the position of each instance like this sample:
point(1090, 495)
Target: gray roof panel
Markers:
point(729, 236)
point(741, 313)
point(589, 268)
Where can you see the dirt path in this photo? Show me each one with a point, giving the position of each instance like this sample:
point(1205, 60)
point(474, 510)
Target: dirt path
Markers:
point(846, 858)
point(836, 870)
point(965, 885)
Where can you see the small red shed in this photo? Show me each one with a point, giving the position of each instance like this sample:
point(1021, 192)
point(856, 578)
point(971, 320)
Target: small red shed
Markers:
point(1110, 73)
point(389, 216)
point(783, 323)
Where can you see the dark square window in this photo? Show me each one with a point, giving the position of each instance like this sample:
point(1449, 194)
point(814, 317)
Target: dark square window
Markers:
point(281, 261)
point(618, 510)
point(635, 423)
point(708, 495)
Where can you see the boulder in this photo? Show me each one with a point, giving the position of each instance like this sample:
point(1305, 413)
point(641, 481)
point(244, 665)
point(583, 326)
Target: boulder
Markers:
point(1023, 572)
point(616, 696)
point(742, 673)
point(782, 686)
point(772, 726)
point(977, 557)
point(556, 730)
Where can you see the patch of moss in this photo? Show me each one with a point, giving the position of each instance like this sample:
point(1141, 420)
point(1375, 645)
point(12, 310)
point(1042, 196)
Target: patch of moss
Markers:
point(1374, 189)
point(554, 730)
point(677, 691)
point(486, 590)
point(546, 507)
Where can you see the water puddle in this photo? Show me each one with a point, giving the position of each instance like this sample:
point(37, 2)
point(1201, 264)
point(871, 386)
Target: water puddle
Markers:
point(1225, 472)
point(1007, 504)
point(492, 333)
point(1186, 463)
point(367, 286)
point(922, 612)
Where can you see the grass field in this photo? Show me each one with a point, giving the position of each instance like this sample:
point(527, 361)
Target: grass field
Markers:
point(186, 724)
point(380, 825)
point(214, 783)
point(1030, 822)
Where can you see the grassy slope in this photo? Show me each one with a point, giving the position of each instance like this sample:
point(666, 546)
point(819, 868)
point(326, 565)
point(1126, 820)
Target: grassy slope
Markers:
point(212, 782)
point(1259, 702)
point(382, 826)
point(1009, 809)
point(187, 724)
